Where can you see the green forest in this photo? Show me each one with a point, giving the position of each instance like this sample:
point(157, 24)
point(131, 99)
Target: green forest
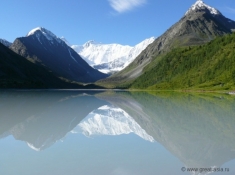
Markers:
point(210, 66)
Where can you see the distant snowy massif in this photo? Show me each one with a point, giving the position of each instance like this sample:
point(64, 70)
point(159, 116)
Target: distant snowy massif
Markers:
point(109, 58)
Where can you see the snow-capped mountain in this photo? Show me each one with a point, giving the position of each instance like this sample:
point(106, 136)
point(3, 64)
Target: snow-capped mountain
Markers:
point(109, 58)
point(223, 23)
point(5, 42)
point(48, 34)
point(200, 5)
point(110, 120)
point(42, 46)
point(199, 25)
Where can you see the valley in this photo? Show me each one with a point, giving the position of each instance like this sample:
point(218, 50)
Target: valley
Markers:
point(195, 53)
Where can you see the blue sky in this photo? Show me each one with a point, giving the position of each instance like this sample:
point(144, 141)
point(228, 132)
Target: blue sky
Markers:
point(126, 22)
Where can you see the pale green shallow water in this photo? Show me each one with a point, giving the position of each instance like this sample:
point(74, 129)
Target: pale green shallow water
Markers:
point(115, 133)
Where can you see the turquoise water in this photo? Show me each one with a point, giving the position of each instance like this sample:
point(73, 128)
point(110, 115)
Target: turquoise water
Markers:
point(115, 133)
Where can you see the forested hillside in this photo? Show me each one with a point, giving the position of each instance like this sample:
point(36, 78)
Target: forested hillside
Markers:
point(209, 66)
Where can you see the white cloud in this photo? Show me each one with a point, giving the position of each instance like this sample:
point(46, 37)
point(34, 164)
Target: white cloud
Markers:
point(125, 5)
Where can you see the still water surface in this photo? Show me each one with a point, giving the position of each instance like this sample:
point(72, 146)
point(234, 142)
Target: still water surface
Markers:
point(116, 133)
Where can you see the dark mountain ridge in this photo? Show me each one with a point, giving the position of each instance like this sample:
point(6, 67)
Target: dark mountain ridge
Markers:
point(43, 47)
point(18, 72)
point(5, 42)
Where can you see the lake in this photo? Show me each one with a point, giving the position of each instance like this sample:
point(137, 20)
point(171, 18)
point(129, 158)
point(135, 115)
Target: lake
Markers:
point(72, 132)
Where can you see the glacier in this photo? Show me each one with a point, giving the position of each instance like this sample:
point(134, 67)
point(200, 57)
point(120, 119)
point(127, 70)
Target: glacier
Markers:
point(109, 58)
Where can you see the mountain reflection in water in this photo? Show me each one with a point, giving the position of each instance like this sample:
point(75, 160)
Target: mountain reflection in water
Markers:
point(197, 129)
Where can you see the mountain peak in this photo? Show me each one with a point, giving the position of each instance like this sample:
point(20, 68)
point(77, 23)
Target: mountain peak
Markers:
point(88, 43)
point(42, 46)
point(48, 34)
point(200, 5)
point(109, 58)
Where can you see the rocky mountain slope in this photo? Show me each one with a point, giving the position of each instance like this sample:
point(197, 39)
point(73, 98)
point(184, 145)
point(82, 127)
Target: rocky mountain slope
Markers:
point(5, 42)
point(42, 47)
point(209, 67)
point(200, 24)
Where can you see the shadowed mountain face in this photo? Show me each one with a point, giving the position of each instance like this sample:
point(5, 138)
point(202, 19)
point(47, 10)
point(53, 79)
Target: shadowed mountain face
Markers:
point(198, 129)
point(17, 72)
point(43, 47)
point(42, 118)
point(199, 25)
point(5, 42)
